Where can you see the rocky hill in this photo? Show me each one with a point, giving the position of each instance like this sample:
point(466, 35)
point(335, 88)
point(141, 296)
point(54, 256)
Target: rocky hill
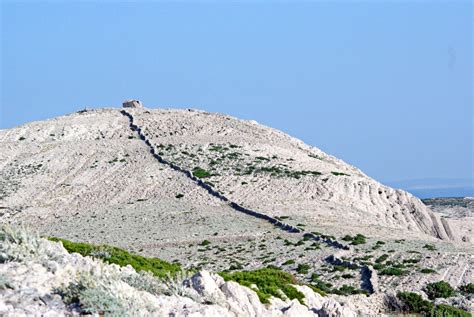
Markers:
point(216, 193)
point(93, 161)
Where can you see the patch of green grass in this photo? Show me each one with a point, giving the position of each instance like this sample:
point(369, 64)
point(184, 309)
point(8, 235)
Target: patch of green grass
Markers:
point(289, 262)
point(201, 173)
point(427, 271)
point(269, 281)
point(121, 257)
point(439, 289)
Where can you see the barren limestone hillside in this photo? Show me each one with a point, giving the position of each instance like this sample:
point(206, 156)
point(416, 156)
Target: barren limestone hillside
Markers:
point(62, 167)
point(211, 192)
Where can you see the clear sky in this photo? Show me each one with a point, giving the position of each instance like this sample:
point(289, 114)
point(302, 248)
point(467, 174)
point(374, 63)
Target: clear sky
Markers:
point(385, 85)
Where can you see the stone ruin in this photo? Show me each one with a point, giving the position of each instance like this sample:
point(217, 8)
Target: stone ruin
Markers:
point(132, 104)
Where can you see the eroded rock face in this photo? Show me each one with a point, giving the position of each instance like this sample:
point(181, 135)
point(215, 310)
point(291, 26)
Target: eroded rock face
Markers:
point(33, 286)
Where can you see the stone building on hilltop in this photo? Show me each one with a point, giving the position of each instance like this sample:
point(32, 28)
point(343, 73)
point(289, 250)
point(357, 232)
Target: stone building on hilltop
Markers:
point(132, 104)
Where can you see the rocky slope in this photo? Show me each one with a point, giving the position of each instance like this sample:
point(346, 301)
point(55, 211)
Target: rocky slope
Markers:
point(71, 165)
point(40, 278)
point(216, 193)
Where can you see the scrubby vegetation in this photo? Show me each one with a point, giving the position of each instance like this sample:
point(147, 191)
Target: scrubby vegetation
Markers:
point(201, 173)
point(467, 288)
point(355, 240)
point(302, 268)
point(393, 271)
point(439, 289)
point(121, 257)
point(269, 282)
point(429, 247)
point(414, 303)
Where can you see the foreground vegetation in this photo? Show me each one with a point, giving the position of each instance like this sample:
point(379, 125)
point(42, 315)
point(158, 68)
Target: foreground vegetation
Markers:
point(414, 303)
point(118, 256)
point(269, 282)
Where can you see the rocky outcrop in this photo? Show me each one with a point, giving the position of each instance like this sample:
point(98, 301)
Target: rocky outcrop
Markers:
point(40, 277)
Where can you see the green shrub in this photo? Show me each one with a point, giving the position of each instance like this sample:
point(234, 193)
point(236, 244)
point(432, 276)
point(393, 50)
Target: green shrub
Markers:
point(414, 303)
point(467, 288)
point(359, 239)
point(347, 238)
point(302, 268)
point(288, 262)
point(427, 271)
point(349, 290)
point(439, 289)
point(393, 271)
point(379, 266)
point(205, 242)
point(339, 174)
point(449, 311)
point(429, 247)
point(269, 281)
point(356, 240)
point(121, 257)
point(381, 258)
point(201, 173)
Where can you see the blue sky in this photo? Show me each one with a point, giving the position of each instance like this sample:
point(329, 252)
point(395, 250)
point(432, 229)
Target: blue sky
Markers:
point(385, 85)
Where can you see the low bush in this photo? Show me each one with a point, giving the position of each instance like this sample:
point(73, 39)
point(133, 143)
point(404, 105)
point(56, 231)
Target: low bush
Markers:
point(393, 271)
point(427, 271)
point(205, 243)
point(429, 247)
point(356, 240)
point(414, 303)
point(302, 268)
point(349, 290)
point(269, 281)
point(201, 173)
point(439, 289)
point(467, 288)
point(339, 174)
point(381, 258)
point(288, 262)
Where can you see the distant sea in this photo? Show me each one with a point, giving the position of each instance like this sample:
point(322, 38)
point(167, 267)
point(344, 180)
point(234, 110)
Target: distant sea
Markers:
point(433, 188)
